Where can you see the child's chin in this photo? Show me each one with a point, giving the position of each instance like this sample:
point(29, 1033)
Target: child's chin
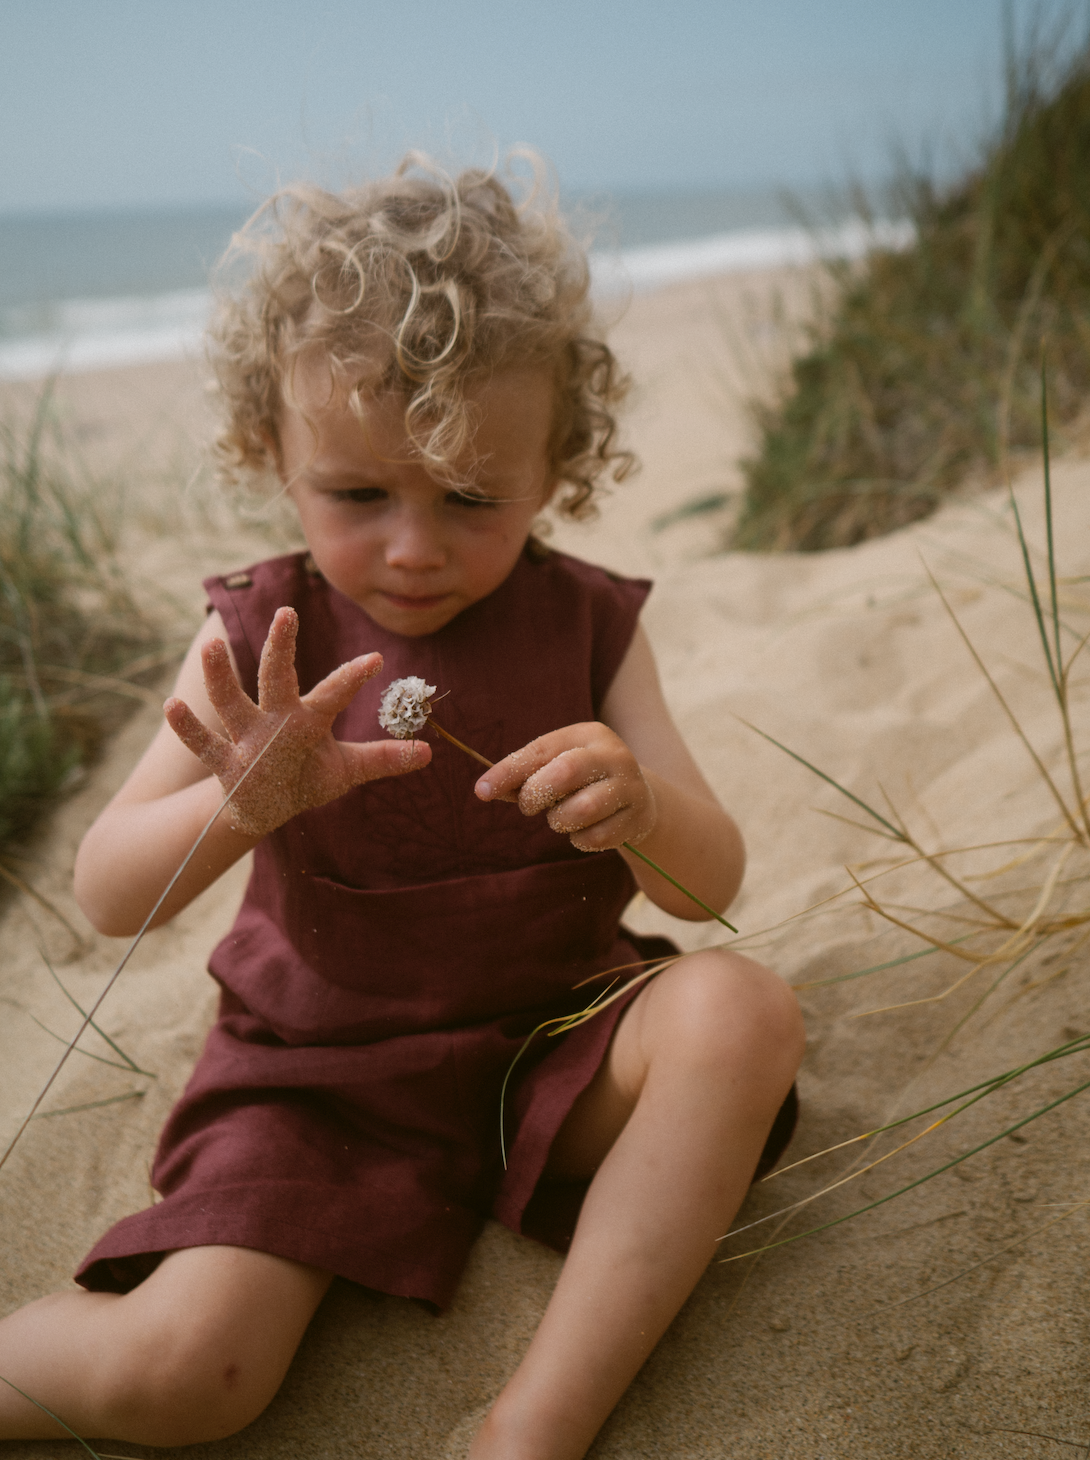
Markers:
point(412, 623)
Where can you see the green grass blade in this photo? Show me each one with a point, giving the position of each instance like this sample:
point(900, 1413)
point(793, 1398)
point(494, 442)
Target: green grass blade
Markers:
point(988, 1087)
point(1048, 520)
point(836, 1221)
point(998, 693)
point(986, 995)
point(90, 1105)
point(895, 831)
point(55, 1417)
point(523, 1047)
point(564, 1022)
point(98, 1030)
point(821, 983)
point(965, 1271)
point(675, 883)
point(978, 1092)
point(87, 1054)
point(135, 943)
point(1035, 598)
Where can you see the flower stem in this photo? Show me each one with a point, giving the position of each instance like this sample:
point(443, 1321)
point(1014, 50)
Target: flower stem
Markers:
point(627, 845)
point(435, 725)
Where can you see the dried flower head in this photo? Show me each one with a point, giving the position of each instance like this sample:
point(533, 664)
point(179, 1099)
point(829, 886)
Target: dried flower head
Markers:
point(405, 707)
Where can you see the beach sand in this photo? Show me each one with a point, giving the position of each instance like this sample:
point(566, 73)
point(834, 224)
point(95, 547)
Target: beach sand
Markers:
point(863, 1340)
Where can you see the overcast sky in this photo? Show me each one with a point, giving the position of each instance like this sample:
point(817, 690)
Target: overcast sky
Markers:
point(107, 103)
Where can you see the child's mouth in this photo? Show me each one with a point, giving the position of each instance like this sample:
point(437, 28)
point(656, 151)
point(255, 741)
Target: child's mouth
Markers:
point(419, 603)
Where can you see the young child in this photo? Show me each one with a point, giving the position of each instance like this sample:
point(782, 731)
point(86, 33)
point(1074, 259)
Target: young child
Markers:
point(415, 360)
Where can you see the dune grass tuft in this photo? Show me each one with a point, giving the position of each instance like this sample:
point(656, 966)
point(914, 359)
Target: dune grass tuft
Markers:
point(923, 367)
point(74, 645)
point(999, 934)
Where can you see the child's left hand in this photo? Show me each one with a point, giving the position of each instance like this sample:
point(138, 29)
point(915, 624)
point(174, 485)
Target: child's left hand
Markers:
point(588, 781)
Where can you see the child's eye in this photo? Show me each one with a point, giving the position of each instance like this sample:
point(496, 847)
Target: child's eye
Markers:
point(471, 499)
point(360, 495)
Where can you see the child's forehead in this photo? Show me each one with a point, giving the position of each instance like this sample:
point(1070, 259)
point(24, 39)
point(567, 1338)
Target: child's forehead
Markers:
point(509, 406)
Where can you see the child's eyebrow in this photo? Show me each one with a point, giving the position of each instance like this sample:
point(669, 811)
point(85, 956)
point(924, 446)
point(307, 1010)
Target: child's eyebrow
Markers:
point(336, 475)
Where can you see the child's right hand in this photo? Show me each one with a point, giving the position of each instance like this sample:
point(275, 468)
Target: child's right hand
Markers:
point(304, 767)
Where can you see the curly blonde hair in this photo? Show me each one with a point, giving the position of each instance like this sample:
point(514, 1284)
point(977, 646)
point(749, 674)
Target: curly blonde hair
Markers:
point(420, 283)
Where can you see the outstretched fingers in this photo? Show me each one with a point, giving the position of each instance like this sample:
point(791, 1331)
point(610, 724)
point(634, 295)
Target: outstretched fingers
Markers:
point(372, 760)
point(212, 750)
point(277, 682)
point(229, 700)
point(337, 691)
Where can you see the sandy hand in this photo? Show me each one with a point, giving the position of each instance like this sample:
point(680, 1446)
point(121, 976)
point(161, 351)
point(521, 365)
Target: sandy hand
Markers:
point(304, 767)
point(588, 781)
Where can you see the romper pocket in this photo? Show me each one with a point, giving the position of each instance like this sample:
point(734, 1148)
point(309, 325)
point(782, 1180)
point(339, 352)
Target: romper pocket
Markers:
point(462, 951)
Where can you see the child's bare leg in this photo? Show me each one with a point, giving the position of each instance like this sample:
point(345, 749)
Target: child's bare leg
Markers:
point(194, 1353)
point(677, 1118)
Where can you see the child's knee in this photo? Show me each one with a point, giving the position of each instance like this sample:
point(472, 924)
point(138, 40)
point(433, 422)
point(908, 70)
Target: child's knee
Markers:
point(176, 1383)
point(733, 1009)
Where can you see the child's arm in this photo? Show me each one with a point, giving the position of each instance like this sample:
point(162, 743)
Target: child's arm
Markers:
point(141, 838)
point(631, 778)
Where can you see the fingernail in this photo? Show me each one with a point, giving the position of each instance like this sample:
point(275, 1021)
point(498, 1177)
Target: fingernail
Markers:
point(483, 790)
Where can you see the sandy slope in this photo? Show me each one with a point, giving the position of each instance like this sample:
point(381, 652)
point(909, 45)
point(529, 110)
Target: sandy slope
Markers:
point(812, 1350)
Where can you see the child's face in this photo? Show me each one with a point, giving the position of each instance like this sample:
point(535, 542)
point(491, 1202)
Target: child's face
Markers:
point(408, 549)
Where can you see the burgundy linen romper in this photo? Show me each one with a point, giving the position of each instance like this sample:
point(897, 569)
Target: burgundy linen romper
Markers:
point(393, 952)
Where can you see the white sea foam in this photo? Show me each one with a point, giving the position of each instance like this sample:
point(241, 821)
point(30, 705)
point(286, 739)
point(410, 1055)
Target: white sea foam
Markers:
point(94, 334)
point(643, 269)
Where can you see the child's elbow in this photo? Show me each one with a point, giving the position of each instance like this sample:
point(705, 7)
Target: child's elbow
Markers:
point(99, 894)
point(99, 907)
point(732, 867)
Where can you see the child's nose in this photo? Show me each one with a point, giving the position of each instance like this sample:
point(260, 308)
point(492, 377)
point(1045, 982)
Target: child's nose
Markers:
point(415, 542)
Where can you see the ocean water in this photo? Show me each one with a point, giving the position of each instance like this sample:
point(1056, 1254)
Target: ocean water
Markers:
point(83, 291)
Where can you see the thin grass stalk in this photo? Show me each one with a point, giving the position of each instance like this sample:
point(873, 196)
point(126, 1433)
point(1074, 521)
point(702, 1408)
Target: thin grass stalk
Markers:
point(822, 983)
point(894, 832)
point(936, 866)
point(1006, 950)
point(1079, 1045)
point(566, 1022)
point(55, 1417)
point(836, 1221)
point(489, 764)
point(1065, 713)
point(1030, 300)
point(560, 1020)
point(133, 1066)
point(1048, 520)
point(87, 1053)
point(1079, 835)
point(1009, 949)
point(973, 1267)
point(825, 904)
point(989, 991)
point(16, 881)
point(675, 883)
point(91, 1104)
point(131, 949)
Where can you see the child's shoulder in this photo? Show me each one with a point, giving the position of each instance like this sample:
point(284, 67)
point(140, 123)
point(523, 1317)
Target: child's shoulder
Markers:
point(563, 568)
point(583, 604)
point(290, 571)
